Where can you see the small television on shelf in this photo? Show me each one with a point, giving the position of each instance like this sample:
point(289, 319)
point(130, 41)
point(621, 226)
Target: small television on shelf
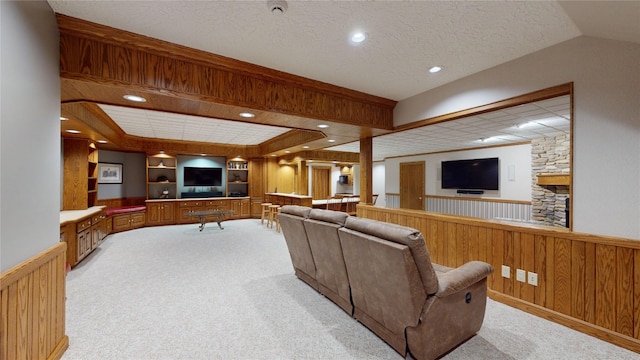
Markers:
point(471, 174)
point(201, 176)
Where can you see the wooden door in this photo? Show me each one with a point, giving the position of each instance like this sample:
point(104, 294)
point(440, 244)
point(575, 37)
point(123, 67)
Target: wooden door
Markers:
point(321, 182)
point(412, 185)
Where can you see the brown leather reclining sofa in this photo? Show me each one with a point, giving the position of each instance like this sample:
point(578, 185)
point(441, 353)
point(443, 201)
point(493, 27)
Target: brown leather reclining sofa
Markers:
point(381, 273)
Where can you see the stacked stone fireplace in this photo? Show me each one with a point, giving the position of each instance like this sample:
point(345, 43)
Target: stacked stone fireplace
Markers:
point(550, 155)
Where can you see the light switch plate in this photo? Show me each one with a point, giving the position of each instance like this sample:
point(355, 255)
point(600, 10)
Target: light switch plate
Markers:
point(521, 275)
point(506, 271)
point(533, 278)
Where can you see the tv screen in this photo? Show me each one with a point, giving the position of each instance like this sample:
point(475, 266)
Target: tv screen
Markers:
point(197, 176)
point(473, 174)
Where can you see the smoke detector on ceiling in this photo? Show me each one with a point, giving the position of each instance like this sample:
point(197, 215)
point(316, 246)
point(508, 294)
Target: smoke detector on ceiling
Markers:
point(277, 7)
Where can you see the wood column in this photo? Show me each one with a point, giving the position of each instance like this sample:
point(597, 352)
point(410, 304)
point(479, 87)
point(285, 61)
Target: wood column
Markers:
point(366, 170)
point(303, 178)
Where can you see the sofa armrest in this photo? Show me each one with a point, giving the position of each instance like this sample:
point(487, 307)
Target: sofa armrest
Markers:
point(462, 277)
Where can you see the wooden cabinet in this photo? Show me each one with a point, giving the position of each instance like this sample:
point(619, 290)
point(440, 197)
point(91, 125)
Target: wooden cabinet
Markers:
point(241, 208)
point(257, 185)
point(186, 206)
point(80, 172)
point(161, 213)
point(83, 234)
point(237, 178)
point(161, 177)
point(128, 221)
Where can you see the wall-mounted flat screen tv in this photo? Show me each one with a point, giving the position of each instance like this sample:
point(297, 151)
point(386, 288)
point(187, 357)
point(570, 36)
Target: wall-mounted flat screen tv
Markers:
point(472, 174)
point(199, 176)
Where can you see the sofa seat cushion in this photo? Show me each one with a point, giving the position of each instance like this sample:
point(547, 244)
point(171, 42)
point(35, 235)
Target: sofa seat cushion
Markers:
point(124, 209)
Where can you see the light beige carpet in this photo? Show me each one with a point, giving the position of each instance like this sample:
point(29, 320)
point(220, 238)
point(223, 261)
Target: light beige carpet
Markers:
point(174, 292)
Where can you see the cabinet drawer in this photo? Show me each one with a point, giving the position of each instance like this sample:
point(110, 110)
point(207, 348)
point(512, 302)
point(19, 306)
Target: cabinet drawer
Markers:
point(97, 218)
point(190, 203)
point(84, 224)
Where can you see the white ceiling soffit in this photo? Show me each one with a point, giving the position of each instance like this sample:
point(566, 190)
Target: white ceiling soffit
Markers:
point(162, 125)
point(547, 118)
point(405, 38)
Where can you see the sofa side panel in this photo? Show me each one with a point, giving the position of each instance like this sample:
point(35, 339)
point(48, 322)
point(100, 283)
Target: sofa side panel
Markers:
point(448, 322)
point(295, 236)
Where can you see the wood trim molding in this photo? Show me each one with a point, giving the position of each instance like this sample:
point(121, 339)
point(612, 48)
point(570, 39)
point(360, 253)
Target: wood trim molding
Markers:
point(97, 54)
point(548, 93)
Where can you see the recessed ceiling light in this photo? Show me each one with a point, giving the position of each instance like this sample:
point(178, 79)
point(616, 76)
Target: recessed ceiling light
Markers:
point(203, 154)
point(305, 147)
point(247, 114)
point(331, 140)
point(274, 155)
point(287, 151)
point(62, 118)
point(135, 98)
point(102, 141)
point(73, 131)
point(323, 126)
point(161, 151)
point(435, 69)
point(358, 37)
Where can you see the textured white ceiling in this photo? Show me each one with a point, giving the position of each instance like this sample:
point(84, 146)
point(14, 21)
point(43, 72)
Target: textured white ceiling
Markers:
point(547, 118)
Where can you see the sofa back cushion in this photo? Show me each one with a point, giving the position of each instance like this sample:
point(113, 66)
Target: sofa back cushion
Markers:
point(322, 231)
point(405, 236)
point(291, 219)
point(385, 282)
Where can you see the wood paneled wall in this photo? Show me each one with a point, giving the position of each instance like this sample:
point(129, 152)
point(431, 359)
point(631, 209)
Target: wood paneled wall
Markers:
point(587, 282)
point(32, 313)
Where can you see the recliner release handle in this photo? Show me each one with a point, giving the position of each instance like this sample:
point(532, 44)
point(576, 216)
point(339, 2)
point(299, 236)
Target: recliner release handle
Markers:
point(467, 298)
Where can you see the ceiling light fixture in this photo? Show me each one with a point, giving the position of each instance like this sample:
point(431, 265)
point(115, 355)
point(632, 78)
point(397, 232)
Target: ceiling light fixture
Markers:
point(277, 7)
point(435, 69)
point(305, 147)
point(247, 115)
point(71, 131)
point(323, 126)
point(102, 141)
point(135, 98)
point(358, 37)
point(331, 140)
point(62, 118)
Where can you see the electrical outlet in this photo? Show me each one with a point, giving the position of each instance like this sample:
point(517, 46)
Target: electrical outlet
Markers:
point(506, 271)
point(521, 275)
point(533, 279)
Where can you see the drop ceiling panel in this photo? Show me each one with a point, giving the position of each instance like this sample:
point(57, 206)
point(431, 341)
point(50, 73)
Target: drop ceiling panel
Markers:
point(155, 124)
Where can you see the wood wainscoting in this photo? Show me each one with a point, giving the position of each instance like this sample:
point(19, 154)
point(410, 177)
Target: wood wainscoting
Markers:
point(587, 282)
point(32, 315)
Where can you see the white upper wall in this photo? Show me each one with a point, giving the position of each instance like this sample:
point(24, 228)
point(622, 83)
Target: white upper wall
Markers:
point(29, 131)
point(517, 156)
point(606, 133)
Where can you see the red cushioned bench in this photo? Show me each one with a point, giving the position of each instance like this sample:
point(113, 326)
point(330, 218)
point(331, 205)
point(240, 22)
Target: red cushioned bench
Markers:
point(126, 217)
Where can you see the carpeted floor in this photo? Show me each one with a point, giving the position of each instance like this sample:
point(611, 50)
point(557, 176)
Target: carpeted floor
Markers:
point(173, 292)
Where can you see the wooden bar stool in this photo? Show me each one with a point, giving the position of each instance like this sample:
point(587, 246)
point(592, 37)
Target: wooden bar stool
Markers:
point(265, 212)
point(278, 219)
point(273, 215)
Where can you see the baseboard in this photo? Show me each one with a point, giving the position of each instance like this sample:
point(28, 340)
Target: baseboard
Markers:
point(60, 348)
point(599, 332)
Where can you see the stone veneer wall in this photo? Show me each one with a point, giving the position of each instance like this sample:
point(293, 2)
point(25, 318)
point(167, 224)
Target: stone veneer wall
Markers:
point(549, 156)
